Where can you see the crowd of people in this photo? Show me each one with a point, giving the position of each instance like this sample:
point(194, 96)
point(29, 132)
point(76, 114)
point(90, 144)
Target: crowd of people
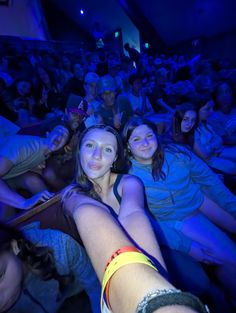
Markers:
point(141, 149)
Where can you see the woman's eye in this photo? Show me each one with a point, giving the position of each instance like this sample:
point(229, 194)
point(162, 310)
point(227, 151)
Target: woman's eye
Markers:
point(150, 136)
point(89, 145)
point(108, 150)
point(136, 139)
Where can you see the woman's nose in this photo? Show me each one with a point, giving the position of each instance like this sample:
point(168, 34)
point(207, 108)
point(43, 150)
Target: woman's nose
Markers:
point(145, 142)
point(97, 153)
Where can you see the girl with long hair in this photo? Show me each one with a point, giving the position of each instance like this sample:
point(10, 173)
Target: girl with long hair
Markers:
point(209, 146)
point(108, 209)
point(184, 195)
point(184, 124)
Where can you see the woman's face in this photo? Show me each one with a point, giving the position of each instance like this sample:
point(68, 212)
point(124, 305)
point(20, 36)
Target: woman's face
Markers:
point(188, 121)
point(143, 144)
point(206, 111)
point(11, 277)
point(98, 151)
point(224, 98)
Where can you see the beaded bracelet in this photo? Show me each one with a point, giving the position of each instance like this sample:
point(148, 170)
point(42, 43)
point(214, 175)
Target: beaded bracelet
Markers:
point(159, 298)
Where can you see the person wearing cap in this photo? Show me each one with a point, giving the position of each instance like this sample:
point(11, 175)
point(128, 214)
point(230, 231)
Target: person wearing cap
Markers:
point(75, 113)
point(90, 87)
point(114, 110)
point(59, 168)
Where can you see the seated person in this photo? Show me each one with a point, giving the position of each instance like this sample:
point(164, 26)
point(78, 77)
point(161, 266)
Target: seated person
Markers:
point(90, 87)
point(115, 109)
point(41, 268)
point(183, 124)
point(185, 197)
point(138, 98)
point(223, 119)
point(103, 202)
point(60, 167)
point(209, 146)
point(23, 102)
point(19, 157)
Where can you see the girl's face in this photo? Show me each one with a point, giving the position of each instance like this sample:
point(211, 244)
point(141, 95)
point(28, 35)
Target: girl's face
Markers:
point(98, 151)
point(206, 111)
point(188, 121)
point(11, 277)
point(224, 98)
point(143, 144)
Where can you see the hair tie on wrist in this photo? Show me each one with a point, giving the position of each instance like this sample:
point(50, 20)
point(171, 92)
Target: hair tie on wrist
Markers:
point(160, 298)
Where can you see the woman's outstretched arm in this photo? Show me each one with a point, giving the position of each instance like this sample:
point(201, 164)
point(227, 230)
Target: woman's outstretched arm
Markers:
point(102, 235)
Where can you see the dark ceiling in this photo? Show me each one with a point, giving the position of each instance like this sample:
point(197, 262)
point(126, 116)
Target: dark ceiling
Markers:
point(175, 21)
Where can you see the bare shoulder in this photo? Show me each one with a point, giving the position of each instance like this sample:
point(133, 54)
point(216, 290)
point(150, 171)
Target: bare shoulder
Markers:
point(131, 180)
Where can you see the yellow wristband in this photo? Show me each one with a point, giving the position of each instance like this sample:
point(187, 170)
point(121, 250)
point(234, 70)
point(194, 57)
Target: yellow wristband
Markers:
point(122, 260)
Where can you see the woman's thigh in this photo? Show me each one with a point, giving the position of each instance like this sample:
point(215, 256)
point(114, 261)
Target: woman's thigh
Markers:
point(217, 244)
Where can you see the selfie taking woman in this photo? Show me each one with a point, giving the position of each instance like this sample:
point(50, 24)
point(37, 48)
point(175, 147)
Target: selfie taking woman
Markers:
point(108, 209)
